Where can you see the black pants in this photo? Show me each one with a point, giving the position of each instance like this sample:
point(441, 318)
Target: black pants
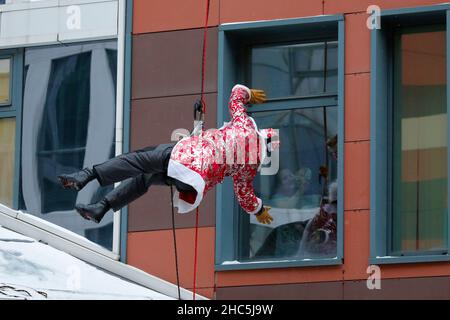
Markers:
point(138, 170)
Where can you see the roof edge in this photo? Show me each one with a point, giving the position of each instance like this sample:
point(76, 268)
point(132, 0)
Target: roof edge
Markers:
point(42, 231)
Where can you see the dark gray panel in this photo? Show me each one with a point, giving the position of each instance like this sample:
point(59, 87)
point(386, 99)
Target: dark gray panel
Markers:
point(407, 288)
point(306, 291)
point(169, 63)
point(153, 120)
point(153, 212)
point(391, 289)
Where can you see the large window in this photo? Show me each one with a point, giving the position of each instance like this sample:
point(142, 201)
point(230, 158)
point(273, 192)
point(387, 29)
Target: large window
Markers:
point(68, 124)
point(295, 193)
point(7, 133)
point(419, 155)
point(409, 206)
point(300, 73)
point(10, 102)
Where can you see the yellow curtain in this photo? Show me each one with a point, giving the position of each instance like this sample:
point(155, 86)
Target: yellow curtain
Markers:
point(5, 80)
point(7, 147)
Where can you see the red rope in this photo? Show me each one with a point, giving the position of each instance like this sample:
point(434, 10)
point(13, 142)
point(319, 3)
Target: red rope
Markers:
point(205, 43)
point(195, 254)
point(205, 46)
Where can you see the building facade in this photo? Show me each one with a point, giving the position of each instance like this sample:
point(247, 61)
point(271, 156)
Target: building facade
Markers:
point(357, 89)
point(324, 70)
point(62, 106)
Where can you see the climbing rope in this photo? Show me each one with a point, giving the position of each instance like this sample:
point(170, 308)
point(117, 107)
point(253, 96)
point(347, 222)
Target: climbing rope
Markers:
point(199, 108)
point(203, 112)
point(175, 243)
point(205, 46)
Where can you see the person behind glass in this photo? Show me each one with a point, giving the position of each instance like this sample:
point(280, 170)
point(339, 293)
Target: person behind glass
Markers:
point(191, 166)
point(321, 231)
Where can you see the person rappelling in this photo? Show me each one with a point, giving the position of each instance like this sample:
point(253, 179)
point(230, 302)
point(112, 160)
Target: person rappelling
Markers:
point(194, 165)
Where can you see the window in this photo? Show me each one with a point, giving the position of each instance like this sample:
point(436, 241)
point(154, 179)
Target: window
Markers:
point(295, 70)
point(10, 102)
point(419, 155)
point(7, 150)
point(5, 81)
point(7, 136)
point(409, 209)
point(58, 114)
point(294, 193)
point(300, 73)
point(68, 123)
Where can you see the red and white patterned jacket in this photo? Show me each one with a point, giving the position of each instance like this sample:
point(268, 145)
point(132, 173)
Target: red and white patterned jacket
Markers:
point(237, 150)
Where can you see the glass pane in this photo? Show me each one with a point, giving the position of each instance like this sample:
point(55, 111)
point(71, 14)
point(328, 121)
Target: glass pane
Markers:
point(295, 70)
point(332, 68)
point(300, 228)
point(68, 124)
point(7, 149)
point(420, 144)
point(5, 81)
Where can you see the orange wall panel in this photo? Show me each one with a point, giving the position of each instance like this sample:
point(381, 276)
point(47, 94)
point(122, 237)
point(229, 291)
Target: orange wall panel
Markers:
point(357, 176)
point(357, 44)
point(153, 252)
point(356, 244)
point(346, 6)
point(164, 15)
point(357, 107)
point(252, 10)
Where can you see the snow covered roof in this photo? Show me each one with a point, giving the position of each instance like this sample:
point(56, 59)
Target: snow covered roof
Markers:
point(39, 260)
point(30, 269)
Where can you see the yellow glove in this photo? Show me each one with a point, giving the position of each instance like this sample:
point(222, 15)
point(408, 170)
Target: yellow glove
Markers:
point(258, 96)
point(265, 217)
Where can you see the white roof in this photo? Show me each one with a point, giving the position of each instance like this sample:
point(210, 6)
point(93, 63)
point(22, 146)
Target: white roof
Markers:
point(30, 269)
point(37, 256)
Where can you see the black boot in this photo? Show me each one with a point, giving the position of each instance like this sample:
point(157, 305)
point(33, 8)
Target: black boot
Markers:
point(78, 179)
point(94, 212)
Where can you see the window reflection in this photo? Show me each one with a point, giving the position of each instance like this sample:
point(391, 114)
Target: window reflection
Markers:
point(68, 124)
point(295, 70)
point(7, 149)
point(304, 207)
point(5, 81)
point(419, 219)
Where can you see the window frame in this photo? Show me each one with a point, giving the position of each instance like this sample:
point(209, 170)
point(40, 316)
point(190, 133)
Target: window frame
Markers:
point(122, 127)
point(381, 109)
point(14, 110)
point(229, 73)
point(17, 111)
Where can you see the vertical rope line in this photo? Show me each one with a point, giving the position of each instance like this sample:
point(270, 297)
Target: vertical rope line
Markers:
point(175, 243)
point(202, 95)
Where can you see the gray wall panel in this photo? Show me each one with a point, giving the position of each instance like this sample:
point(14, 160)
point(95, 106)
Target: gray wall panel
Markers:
point(169, 63)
